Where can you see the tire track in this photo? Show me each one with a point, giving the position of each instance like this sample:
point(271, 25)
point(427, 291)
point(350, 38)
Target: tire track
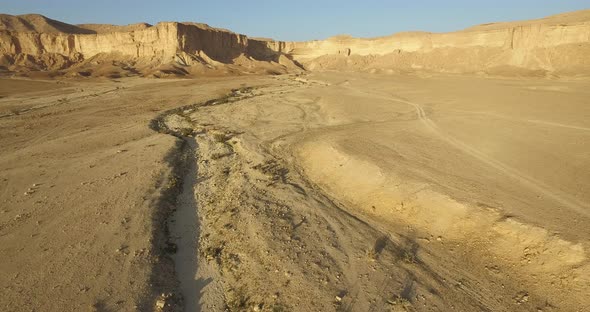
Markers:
point(533, 184)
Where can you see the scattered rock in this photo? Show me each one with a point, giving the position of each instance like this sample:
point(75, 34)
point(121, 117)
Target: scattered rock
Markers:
point(521, 297)
point(341, 296)
point(160, 304)
point(123, 250)
point(118, 175)
point(164, 300)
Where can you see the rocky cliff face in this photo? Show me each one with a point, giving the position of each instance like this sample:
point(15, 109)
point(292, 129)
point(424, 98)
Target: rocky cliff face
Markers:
point(156, 42)
point(554, 45)
point(176, 47)
point(558, 44)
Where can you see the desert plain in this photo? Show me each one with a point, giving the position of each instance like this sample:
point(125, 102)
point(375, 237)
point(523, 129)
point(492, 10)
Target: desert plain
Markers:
point(416, 172)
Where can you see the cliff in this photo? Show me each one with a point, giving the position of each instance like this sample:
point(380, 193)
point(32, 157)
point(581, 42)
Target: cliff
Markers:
point(556, 45)
point(33, 42)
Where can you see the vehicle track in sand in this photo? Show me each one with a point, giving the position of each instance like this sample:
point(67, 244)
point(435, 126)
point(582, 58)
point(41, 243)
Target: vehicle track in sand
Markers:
point(533, 121)
point(499, 228)
point(535, 185)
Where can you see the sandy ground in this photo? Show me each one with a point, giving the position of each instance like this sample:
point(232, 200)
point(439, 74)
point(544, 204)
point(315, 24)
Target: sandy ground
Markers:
point(330, 191)
point(83, 186)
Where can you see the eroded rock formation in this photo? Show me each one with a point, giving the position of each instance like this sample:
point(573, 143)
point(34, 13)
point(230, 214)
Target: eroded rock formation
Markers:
point(557, 45)
point(33, 42)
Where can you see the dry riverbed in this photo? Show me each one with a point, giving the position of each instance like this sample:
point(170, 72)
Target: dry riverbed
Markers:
point(348, 192)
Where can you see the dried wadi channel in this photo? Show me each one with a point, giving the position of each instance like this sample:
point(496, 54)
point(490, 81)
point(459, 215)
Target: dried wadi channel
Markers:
point(180, 167)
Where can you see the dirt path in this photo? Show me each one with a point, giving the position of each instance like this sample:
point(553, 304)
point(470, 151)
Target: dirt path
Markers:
point(534, 184)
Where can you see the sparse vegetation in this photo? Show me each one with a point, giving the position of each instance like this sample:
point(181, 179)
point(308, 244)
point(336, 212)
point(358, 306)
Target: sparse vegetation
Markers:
point(279, 308)
point(371, 254)
point(172, 183)
point(220, 155)
point(380, 243)
point(408, 256)
point(186, 132)
point(399, 303)
point(220, 137)
point(237, 300)
point(212, 253)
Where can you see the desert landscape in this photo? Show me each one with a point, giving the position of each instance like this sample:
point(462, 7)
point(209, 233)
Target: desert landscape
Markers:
point(182, 167)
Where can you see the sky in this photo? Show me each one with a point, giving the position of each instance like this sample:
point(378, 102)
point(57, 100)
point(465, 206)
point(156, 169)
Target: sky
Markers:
point(299, 20)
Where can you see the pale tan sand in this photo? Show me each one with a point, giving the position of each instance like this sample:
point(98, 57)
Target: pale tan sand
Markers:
point(481, 182)
point(409, 179)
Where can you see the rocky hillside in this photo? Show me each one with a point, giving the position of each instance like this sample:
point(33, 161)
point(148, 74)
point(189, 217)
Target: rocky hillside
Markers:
point(556, 45)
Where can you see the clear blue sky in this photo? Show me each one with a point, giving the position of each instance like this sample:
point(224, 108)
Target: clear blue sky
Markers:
point(302, 19)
